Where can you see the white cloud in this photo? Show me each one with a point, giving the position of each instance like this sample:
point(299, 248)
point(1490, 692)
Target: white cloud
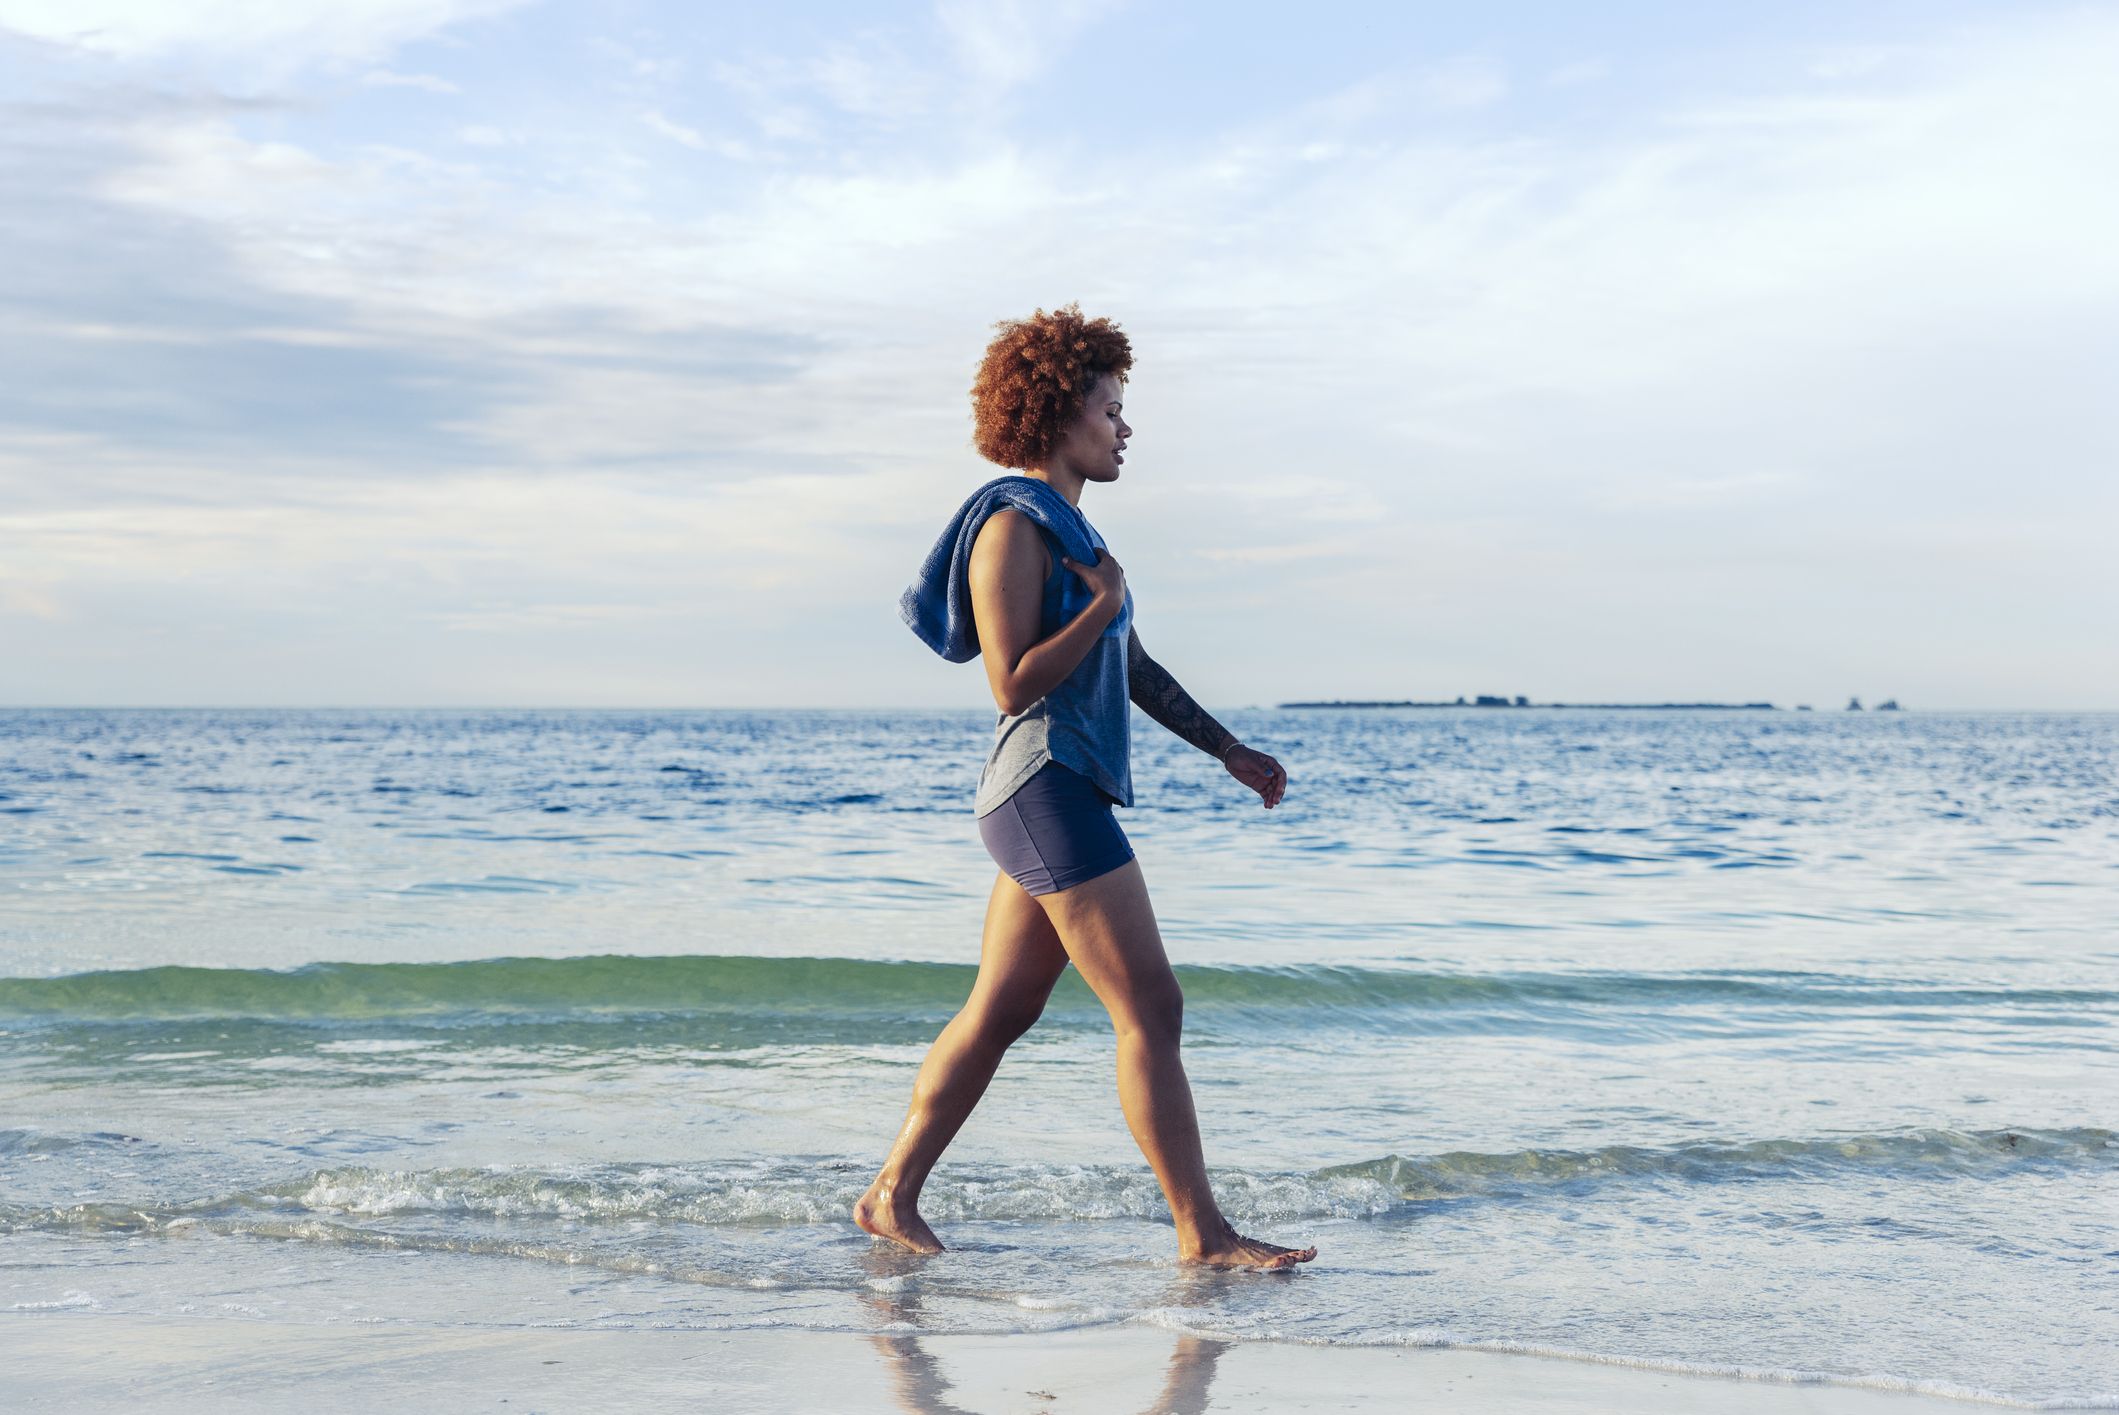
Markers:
point(1443, 288)
point(29, 601)
point(640, 66)
point(1485, 270)
point(1000, 44)
point(1380, 363)
point(874, 80)
point(675, 132)
point(279, 34)
point(685, 136)
point(385, 78)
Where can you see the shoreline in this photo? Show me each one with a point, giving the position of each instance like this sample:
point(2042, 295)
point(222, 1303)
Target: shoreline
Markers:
point(84, 1360)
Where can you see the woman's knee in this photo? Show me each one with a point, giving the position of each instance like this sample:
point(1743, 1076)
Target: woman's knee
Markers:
point(1155, 1012)
point(1003, 1024)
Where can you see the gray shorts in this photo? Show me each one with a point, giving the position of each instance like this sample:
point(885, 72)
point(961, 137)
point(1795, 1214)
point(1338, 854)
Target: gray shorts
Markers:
point(1056, 831)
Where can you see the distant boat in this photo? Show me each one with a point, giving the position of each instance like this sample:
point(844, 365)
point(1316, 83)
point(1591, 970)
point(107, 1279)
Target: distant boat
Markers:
point(1854, 705)
point(1888, 705)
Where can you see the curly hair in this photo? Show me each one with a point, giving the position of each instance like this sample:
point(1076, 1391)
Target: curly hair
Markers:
point(1035, 377)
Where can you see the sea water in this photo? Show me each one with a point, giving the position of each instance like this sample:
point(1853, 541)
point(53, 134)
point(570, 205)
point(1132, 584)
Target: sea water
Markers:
point(1783, 1045)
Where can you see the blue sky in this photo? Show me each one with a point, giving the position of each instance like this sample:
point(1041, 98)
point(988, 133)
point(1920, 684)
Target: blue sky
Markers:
point(395, 352)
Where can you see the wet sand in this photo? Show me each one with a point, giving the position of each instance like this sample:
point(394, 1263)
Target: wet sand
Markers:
point(68, 1361)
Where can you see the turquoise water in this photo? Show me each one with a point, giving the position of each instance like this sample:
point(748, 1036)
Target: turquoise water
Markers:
point(1784, 1045)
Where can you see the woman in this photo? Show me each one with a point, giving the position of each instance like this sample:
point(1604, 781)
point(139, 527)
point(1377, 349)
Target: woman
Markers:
point(1021, 578)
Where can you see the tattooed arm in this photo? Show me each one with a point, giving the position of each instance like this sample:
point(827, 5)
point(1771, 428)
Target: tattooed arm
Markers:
point(1158, 695)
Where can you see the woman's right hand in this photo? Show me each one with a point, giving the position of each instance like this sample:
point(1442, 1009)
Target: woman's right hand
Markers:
point(1106, 578)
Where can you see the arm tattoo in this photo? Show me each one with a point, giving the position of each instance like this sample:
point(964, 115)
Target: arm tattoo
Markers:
point(1158, 695)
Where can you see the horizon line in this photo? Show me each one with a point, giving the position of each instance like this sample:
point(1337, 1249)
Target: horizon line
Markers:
point(1306, 705)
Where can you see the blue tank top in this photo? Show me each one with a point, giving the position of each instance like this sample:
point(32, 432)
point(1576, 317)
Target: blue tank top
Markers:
point(1083, 722)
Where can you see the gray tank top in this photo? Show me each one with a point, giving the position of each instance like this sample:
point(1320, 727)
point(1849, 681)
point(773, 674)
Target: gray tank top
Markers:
point(1081, 724)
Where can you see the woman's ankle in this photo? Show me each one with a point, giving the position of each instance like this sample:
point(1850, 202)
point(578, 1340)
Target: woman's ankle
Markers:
point(1209, 1234)
point(895, 1193)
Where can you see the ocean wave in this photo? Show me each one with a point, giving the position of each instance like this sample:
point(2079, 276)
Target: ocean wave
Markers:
point(823, 1191)
point(1930, 1152)
point(625, 986)
point(17, 1141)
point(782, 1193)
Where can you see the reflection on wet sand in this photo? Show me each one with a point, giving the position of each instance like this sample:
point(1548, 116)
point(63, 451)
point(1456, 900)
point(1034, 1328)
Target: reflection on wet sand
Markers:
point(920, 1387)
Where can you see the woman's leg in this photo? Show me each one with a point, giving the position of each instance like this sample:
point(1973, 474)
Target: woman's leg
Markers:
point(1108, 929)
point(1020, 959)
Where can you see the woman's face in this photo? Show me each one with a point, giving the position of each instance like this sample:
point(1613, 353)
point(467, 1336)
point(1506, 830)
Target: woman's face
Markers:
point(1094, 445)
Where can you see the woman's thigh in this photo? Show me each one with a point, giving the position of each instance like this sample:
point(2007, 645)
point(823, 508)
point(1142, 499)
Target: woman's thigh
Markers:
point(1020, 955)
point(1108, 928)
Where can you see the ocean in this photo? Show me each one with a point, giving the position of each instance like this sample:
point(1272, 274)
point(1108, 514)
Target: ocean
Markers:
point(1778, 1045)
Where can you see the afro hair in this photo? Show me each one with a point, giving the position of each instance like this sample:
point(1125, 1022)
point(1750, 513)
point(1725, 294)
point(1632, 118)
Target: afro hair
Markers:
point(1035, 377)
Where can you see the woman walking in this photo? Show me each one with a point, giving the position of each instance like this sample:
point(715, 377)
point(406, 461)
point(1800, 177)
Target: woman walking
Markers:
point(1022, 578)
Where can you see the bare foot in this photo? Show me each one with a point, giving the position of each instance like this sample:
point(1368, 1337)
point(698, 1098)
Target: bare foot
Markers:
point(1233, 1250)
point(900, 1223)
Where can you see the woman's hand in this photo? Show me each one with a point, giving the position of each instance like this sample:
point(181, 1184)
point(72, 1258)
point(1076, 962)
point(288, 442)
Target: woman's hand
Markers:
point(1259, 772)
point(1106, 579)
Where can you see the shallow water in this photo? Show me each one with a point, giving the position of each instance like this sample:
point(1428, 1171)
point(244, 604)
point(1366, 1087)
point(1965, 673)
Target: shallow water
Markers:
point(1757, 1041)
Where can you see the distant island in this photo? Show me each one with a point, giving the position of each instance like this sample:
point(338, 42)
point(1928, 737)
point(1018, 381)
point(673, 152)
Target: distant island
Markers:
point(1493, 700)
point(1486, 700)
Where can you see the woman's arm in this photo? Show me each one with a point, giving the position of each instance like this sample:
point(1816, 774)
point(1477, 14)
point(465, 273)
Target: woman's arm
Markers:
point(1007, 573)
point(1158, 695)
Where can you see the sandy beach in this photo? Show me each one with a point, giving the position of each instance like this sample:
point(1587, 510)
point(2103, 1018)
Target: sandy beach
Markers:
point(84, 1362)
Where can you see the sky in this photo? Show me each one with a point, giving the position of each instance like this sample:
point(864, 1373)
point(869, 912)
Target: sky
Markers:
point(482, 352)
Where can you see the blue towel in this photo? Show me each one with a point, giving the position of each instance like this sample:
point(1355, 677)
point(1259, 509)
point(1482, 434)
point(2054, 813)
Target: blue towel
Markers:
point(937, 604)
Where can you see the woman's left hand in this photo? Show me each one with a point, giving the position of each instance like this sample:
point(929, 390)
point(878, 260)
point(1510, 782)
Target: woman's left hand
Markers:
point(1259, 772)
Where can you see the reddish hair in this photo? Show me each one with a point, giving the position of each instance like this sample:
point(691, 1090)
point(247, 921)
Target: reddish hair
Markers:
point(1034, 379)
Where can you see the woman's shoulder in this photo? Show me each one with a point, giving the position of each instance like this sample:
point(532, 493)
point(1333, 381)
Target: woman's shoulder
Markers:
point(1009, 533)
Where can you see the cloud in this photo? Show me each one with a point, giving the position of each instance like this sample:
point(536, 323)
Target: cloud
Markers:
point(277, 36)
point(1447, 287)
point(697, 141)
point(178, 292)
point(141, 329)
point(431, 83)
point(961, 69)
point(676, 132)
point(29, 602)
point(1397, 340)
point(1002, 44)
point(803, 100)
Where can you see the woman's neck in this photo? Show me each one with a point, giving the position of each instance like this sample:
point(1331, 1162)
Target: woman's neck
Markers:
point(1066, 483)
